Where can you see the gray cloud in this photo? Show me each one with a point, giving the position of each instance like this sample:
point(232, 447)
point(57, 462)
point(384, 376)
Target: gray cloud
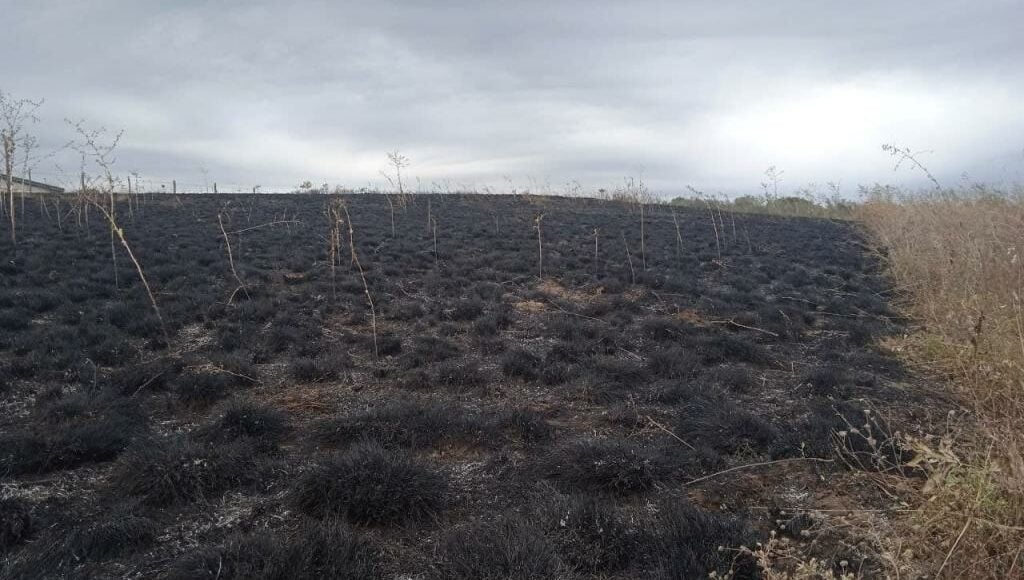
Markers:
point(703, 93)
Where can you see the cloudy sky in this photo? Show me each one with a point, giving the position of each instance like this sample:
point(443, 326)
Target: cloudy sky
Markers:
point(527, 94)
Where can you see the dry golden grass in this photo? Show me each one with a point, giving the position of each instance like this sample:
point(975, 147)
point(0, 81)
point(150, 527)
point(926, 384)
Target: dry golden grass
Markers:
point(956, 260)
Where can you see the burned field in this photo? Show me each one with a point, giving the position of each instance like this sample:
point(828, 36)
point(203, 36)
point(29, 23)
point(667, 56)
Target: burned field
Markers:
point(578, 401)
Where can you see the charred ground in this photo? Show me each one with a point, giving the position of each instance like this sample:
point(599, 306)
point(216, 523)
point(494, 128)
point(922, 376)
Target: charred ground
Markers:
point(510, 425)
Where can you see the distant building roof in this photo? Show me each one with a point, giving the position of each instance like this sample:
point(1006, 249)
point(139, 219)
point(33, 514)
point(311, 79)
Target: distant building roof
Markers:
point(30, 183)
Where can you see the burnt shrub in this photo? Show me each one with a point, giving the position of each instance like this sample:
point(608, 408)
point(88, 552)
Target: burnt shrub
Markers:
point(278, 339)
point(135, 319)
point(16, 523)
point(555, 373)
point(486, 326)
point(863, 437)
point(39, 300)
point(318, 550)
point(795, 525)
point(60, 408)
point(146, 377)
point(612, 379)
point(326, 366)
point(240, 557)
point(404, 424)
point(121, 534)
point(565, 352)
point(827, 380)
point(99, 437)
point(809, 435)
point(14, 319)
point(674, 392)
point(23, 452)
point(864, 333)
point(722, 348)
point(466, 309)
point(244, 419)
point(601, 465)
point(459, 376)
point(371, 485)
point(785, 321)
point(426, 350)
point(681, 462)
point(736, 379)
point(490, 345)
point(673, 363)
point(525, 425)
point(626, 415)
point(202, 387)
point(388, 345)
point(504, 549)
point(685, 542)
point(407, 311)
point(608, 342)
point(417, 380)
point(662, 329)
point(572, 328)
point(111, 351)
point(876, 362)
point(589, 534)
point(521, 363)
point(83, 430)
point(723, 426)
point(172, 470)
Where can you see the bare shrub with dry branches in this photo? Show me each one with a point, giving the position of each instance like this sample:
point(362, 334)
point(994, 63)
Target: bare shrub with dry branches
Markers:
point(93, 144)
point(956, 258)
point(15, 114)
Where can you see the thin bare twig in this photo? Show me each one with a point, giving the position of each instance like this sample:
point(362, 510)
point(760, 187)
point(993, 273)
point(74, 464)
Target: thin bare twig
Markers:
point(231, 262)
point(674, 436)
point(953, 548)
point(738, 325)
point(362, 276)
point(759, 464)
point(274, 223)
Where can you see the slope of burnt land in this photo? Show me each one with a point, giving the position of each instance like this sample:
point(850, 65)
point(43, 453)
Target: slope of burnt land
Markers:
point(511, 407)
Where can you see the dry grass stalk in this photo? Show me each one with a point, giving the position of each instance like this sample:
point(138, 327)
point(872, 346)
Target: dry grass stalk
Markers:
point(679, 235)
point(540, 244)
point(333, 244)
point(138, 268)
point(629, 258)
point(957, 259)
point(231, 261)
point(362, 276)
point(103, 156)
point(392, 206)
point(643, 244)
point(433, 229)
point(714, 224)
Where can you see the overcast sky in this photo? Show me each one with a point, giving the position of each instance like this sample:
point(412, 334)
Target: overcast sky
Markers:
point(701, 93)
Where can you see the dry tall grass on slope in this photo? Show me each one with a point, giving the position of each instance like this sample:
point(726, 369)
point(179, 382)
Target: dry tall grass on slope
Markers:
point(957, 260)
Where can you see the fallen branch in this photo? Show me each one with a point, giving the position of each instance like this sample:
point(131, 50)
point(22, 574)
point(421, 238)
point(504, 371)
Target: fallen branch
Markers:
point(760, 464)
point(674, 436)
point(953, 549)
point(266, 225)
point(737, 324)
